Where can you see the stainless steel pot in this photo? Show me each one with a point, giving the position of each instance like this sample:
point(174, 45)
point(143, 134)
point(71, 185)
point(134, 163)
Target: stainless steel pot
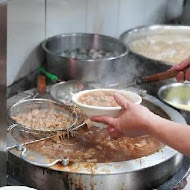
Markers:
point(141, 65)
point(143, 173)
point(130, 36)
point(84, 69)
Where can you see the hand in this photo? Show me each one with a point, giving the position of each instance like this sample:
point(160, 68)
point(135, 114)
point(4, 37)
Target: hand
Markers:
point(184, 70)
point(133, 121)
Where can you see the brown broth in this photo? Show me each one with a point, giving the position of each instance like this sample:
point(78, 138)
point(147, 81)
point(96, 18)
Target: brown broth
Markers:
point(100, 98)
point(95, 145)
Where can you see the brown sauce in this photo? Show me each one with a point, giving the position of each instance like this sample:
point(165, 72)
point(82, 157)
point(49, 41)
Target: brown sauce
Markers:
point(95, 145)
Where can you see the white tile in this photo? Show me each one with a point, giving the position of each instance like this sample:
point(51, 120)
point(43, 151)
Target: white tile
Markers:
point(131, 14)
point(102, 16)
point(65, 16)
point(26, 29)
point(155, 11)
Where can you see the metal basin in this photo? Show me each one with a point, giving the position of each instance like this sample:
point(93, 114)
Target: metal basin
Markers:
point(84, 69)
point(177, 95)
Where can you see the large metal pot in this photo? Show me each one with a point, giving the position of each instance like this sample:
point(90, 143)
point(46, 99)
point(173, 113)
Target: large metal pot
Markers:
point(142, 65)
point(143, 32)
point(85, 69)
point(143, 173)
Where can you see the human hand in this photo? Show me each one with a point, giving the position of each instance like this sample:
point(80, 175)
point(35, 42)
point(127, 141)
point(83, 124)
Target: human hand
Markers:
point(133, 120)
point(184, 70)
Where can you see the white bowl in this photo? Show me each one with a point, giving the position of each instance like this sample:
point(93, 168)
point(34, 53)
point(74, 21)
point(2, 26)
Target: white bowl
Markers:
point(92, 111)
point(16, 188)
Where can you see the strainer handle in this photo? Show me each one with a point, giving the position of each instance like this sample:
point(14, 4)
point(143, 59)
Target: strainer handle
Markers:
point(12, 127)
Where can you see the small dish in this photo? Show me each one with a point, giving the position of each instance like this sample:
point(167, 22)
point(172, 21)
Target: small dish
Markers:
point(92, 111)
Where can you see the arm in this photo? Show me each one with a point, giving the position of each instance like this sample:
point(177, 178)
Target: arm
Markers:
point(173, 134)
point(138, 120)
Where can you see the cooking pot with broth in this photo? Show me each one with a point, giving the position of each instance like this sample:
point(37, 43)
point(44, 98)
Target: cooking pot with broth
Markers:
point(155, 49)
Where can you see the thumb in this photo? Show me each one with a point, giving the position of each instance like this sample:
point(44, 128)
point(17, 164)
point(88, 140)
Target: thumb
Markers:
point(122, 101)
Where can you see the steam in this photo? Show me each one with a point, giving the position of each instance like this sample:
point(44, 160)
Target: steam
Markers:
point(122, 72)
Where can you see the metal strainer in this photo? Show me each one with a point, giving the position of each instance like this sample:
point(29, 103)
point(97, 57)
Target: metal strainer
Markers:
point(63, 91)
point(29, 105)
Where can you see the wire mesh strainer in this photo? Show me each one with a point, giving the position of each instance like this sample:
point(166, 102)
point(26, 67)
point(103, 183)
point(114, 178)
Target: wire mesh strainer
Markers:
point(63, 91)
point(30, 105)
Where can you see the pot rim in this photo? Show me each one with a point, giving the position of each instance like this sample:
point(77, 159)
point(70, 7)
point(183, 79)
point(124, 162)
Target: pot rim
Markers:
point(153, 27)
point(43, 45)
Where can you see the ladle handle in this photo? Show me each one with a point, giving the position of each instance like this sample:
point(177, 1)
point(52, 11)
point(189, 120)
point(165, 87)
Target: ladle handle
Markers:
point(160, 76)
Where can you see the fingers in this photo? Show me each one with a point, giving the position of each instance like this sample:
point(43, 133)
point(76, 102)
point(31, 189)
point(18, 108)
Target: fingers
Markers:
point(183, 75)
point(180, 76)
point(121, 100)
point(187, 74)
point(105, 119)
point(182, 65)
point(114, 133)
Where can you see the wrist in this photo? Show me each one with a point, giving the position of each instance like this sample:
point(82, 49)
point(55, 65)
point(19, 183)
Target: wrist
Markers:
point(150, 123)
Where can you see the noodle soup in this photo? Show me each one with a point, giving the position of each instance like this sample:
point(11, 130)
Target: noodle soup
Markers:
point(100, 102)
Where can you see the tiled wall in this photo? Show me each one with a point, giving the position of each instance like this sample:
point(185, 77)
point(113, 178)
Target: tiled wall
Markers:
point(26, 29)
point(65, 16)
point(110, 17)
point(30, 21)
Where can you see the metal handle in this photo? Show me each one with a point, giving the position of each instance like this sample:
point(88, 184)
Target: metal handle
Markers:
point(11, 127)
point(77, 127)
point(24, 157)
point(19, 146)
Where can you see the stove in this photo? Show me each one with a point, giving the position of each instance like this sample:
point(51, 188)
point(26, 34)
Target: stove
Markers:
point(180, 179)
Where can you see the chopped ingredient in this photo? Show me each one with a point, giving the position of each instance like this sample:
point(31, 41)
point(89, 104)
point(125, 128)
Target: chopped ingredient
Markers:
point(43, 119)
